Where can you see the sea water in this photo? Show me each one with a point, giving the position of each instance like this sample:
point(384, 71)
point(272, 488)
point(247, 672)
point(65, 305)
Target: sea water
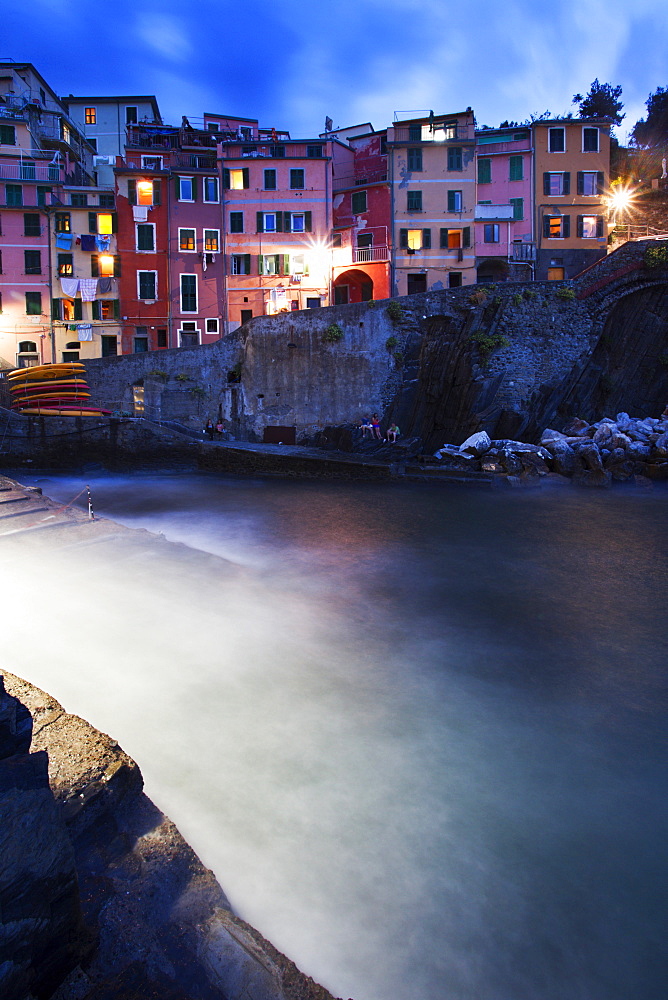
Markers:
point(418, 732)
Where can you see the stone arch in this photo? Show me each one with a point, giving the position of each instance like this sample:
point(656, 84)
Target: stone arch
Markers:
point(358, 285)
point(492, 269)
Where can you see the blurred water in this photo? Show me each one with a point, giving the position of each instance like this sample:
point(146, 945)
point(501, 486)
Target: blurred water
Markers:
point(418, 733)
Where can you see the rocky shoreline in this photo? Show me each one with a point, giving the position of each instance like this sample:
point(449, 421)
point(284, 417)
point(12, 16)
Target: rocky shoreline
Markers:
point(611, 450)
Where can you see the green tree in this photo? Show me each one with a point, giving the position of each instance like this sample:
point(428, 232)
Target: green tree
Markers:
point(602, 101)
point(652, 131)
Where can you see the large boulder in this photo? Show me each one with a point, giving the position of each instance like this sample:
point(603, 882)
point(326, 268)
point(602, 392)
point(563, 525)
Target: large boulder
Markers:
point(564, 459)
point(477, 444)
point(589, 455)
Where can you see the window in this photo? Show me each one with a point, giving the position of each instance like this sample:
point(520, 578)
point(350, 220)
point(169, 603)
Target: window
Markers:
point(65, 265)
point(27, 170)
point(130, 116)
point(105, 309)
point(78, 200)
point(278, 152)
point(189, 335)
point(270, 180)
point(590, 227)
point(161, 338)
point(455, 158)
point(188, 293)
point(32, 261)
point(185, 188)
point(516, 165)
point(93, 143)
point(141, 340)
point(484, 171)
point(187, 240)
point(556, 184)
point(151, 162)
point(145, 237)
point(7, 135)
point(66, 310)
point(556, 142)
point(314, 152)
point(109, 346)
point(336, 240)
point(414, 203)
point(237, 179)
point(72, 352)
point(556, 227)
point(146, 285)
point(210, 189)
point(212, 326)
point(415, 239)
point(240, 263)
point(105, 265)
point(414, 159)
point(414, 133)
point(212, 240)
point(13, 195)
point(212, 127)
point(43, 195)
point(451, 239)
point(143, 192)
point(591, 182)
point(269, 222)
point(455, 279)
point(270, 263)
point(518, 207)
point(62, 222)
point(491, 232)
point(31, 224)
point(33, 303)
point(359, 202)
point(297, 179)
point(296, 264)
point(102, 223)
point(246, 315)
point(454, 201)
point(590, 140)
point(236, 222)
point(106, 201)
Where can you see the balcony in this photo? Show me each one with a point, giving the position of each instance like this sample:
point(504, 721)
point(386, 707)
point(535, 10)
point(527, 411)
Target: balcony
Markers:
point(494, 213)
point(194, 161)
point(523, 251)
point(30, 172)
point(148, 136)
point(437, 132)
point(368, 255)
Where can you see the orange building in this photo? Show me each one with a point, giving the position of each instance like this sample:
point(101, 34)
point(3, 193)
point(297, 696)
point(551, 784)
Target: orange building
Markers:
point(572, 167)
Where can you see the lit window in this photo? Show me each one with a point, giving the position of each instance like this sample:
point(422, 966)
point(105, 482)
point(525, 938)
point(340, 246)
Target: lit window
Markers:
point(105, 263)
point(90, 116)
point(144, 192)
point(211, 241)
point(414, 239)
point(65, 265)
point(105, 224)
point(236, 180)
point(590, 226)
point(556, 227)
point(187, 240)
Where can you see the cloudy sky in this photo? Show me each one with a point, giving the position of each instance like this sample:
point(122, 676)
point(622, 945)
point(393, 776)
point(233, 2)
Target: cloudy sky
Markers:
point(291, 64)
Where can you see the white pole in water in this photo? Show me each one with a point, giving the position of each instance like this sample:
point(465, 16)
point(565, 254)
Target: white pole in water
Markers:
point(91, 515)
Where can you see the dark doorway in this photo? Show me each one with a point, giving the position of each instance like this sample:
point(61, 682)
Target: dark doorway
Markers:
point(109, 347)
point(417, 283)
point(341, 295)
point(455, 279)
point(246, 314)
point(313, 303)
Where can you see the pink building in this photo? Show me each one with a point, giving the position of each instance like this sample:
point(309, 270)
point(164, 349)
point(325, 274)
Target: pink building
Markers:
point(504, 238)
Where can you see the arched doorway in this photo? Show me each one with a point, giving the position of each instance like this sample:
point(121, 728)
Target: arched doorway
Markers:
point(491, 270)
point(354, 285)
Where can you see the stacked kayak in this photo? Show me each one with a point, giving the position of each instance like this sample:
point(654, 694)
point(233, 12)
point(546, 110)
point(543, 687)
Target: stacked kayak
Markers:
point(52, 390)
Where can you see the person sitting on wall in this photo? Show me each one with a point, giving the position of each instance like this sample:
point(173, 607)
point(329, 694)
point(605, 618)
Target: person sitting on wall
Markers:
point(365, 427)
point(375, 427)
point(393, 433)
point(209, 429)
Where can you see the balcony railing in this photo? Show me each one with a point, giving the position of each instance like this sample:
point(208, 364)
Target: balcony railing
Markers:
point(486, 213)
point(30, 172)
point(524, 251)
point(194, 161)
point(366, 255)
point(431, 133)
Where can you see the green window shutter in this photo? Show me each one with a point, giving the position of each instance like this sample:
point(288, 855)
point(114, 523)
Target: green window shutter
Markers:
point(78, 309)
point(287, 222)
point(466, 240)
point(546, 226)
point(567, 182)
point(286, 263)
point(132, 191)
point(55, 309)
point(518, 208)
point(96, 308)
point(260, 264)
point(117, 266)
point(157, 192)
point(279, 222)
point(246, 176)
point(580, 181)
point(94, 267)
point(566, 226)
point(403, 237)
point(426, 239)
point(92, 222)
point(260, 224)
point(117, 309)
point(247, 263)
point(546, 183)
point(307, 222)
point(580, 226)
point(484, 171)
point(451, 201)
point(226, 179)
point(444, 237)
point(194, 183)
point(516, 168)
point(600, 182)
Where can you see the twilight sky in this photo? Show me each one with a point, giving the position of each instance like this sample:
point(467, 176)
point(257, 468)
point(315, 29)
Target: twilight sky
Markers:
point(291, 64)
